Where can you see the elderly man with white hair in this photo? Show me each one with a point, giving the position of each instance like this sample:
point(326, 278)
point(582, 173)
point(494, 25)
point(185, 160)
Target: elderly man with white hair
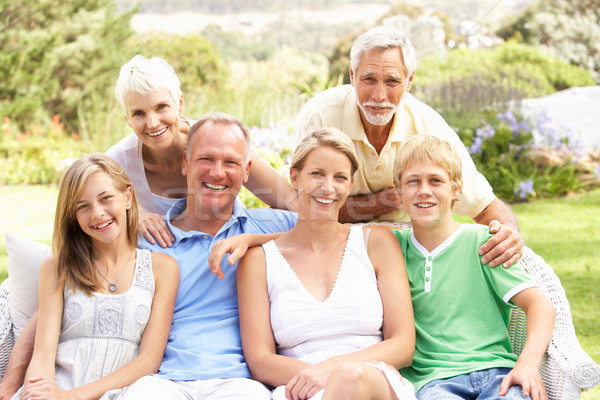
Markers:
point(378, 113)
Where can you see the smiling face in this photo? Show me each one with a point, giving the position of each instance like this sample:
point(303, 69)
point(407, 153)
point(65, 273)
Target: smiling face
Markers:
point(323, 184)
point(154, 117)
point(380, 82)
point(216, 169)
point(101, 209)
point(427, 194)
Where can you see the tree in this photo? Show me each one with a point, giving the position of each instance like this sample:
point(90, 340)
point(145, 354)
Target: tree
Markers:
point(59, 57)
point(568, 29)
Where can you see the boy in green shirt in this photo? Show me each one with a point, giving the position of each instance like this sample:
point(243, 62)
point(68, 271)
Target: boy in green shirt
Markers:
point(462, 307)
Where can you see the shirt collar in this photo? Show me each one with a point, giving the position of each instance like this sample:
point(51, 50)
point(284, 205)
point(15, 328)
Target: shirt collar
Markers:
point(239, 214)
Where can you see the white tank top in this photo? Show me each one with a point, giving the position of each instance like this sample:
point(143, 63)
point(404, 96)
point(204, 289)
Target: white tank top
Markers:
point(349, 320)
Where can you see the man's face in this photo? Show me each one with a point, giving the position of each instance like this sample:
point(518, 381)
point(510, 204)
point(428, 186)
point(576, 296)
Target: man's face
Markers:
point(216, 169)
point(380, 82)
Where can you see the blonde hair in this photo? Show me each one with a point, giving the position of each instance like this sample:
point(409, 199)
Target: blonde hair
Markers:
point(426, 148)
point(142, 76)
point(71, 246)
point(327, 136)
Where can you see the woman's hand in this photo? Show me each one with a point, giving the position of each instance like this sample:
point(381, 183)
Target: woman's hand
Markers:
point(306, 383)
point(43, 388)
point(153, 226)
point(236, 246)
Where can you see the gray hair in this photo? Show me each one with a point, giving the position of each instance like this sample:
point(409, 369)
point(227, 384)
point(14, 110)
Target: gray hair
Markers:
point(223, 119)
point(142, 76)
point(384, 37)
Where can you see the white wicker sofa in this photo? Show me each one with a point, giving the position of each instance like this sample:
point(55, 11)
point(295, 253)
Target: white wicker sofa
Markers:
point(566, 369)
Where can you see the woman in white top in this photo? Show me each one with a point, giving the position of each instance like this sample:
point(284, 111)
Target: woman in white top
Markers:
point(325, 309)
point(149, 93)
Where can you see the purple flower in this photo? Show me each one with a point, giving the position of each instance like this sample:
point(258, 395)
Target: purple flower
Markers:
point(524, 189)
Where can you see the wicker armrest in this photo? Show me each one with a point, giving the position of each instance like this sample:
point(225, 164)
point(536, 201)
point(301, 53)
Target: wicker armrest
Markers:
point(566, 368)
point(6, 331)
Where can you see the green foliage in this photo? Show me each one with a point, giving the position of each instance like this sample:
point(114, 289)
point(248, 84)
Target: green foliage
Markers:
point(464, 81)
point(36, 156)
point(520, 167)
point(195, 60)
point(54, 55)
point(567, 29)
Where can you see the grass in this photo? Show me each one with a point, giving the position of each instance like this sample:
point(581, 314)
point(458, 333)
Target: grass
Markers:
point(563, 231)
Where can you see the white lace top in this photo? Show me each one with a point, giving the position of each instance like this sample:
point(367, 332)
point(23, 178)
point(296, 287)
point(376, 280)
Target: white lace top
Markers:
point(101, 333)
point(350, 319)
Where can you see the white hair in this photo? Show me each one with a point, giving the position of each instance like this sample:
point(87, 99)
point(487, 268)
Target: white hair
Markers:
point(142, 76)
point(384, 37)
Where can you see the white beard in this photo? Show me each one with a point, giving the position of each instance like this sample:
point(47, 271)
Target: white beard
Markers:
point(378, 118)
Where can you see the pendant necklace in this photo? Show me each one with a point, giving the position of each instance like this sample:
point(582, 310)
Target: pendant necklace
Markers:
point(112, 286)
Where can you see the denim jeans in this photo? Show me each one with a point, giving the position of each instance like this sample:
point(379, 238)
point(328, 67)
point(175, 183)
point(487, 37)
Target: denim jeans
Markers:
point(484, 384)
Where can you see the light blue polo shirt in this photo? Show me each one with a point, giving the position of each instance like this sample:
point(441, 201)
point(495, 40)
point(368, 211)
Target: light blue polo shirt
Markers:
point(204, 342)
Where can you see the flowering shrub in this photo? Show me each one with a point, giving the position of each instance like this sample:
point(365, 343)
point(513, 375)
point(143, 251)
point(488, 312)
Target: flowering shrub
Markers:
point(525, 159)
point(36, 156)
point(273, 143)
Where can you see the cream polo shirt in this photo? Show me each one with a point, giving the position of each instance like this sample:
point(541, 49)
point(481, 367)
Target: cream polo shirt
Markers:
point(337, 107)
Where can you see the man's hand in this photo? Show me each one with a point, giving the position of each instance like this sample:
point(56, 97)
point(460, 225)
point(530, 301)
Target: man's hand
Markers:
point(8, 389)
point(153, 226)
point(505, 247)
point(366, 207)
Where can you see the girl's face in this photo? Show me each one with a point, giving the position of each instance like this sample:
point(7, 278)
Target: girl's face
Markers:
point(323, 184)
point(101, 210)
point(154, 117)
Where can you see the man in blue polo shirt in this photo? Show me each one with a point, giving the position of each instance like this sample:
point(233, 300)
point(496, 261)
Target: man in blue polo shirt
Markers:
point(203, 358)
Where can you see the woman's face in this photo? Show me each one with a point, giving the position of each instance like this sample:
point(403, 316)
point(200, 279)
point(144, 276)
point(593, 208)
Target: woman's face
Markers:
point(323, 184)
point(154, 117)
point(101, 210)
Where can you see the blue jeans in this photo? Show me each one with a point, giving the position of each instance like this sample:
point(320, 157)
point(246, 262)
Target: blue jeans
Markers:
point(484, 384)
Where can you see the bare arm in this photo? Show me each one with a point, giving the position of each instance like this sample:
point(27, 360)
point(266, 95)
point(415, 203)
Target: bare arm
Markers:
point(540, 325)
point(367, 207)
point(270, 186)
point(48, 325)
point(506, 246)
point(236, 246)
point(151, 349)
point(19, 360)
point(255, 324)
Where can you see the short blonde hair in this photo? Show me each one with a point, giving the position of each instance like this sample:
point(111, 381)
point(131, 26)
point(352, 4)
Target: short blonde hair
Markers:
point(142, 76)
point(218, 118)
point(327, 136)
point(425, 148)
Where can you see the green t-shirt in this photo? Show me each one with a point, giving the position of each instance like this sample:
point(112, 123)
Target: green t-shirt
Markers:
point(461, 306)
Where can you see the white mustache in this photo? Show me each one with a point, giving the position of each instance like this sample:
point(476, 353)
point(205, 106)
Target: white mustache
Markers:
point(381, 105)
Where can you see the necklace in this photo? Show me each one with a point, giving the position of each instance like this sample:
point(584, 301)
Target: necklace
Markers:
point(112, 286)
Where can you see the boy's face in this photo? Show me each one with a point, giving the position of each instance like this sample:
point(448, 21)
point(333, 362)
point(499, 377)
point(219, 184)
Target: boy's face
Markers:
point(427, 194)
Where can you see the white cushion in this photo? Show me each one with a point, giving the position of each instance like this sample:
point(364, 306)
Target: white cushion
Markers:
point(23, 264)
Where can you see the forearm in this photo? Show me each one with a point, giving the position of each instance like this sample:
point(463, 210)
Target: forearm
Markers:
point(270, 186)
point(366, 207)
point(274, 369)
point(394, 351)
point(19, 358)
point(498, 210)
point(540, 326)
point(122, 377)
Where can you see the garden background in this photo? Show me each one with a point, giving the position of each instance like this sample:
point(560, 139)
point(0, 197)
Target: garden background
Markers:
point(478, 61)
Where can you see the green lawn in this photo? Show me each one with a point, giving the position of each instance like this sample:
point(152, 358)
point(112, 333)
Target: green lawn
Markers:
point(564, 231)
